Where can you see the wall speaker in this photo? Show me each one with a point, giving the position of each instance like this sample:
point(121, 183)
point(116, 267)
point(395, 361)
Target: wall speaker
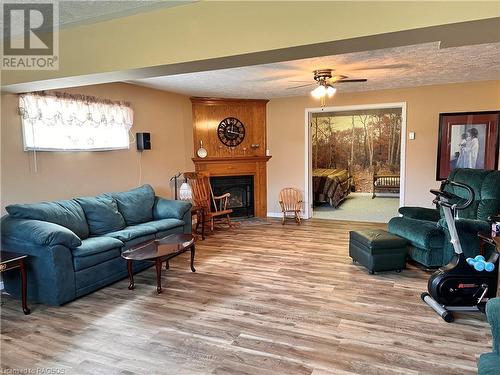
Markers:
point(143, 141)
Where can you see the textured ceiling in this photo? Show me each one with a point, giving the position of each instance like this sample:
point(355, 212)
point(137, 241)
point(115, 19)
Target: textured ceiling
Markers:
point(408, 66)
point(76, 12)
point(89, 11)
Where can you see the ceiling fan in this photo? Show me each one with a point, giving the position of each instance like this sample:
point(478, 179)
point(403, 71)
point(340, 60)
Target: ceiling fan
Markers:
point(325, 82)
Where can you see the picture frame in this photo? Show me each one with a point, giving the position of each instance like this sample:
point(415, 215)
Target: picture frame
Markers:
point(467, 140)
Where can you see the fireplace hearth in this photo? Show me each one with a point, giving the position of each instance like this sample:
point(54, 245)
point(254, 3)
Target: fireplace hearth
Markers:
point(241, 190)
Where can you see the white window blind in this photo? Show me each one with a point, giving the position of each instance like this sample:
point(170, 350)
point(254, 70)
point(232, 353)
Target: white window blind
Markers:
point(64, 122)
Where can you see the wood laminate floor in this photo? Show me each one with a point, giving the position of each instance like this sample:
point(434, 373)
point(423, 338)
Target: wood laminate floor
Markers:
point(265, 299)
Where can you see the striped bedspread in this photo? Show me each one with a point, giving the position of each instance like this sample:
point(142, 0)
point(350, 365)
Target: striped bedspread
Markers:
point(330, 185)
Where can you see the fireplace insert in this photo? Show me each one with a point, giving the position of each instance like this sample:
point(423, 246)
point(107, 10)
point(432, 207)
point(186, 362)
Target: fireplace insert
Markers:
point(241, 190)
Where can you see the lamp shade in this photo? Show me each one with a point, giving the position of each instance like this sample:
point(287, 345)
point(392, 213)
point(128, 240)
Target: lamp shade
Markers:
point(185, 192)
point(330, 91)
point(319, 92)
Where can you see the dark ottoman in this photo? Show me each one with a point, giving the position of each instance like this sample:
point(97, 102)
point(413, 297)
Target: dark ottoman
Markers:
point(378, 250)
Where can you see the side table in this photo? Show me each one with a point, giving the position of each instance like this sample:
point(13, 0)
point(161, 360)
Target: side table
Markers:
point(487, 239)
point(10, 261)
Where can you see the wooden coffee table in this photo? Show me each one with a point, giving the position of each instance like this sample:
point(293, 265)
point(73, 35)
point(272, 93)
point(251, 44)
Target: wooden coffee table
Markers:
point(159, 251)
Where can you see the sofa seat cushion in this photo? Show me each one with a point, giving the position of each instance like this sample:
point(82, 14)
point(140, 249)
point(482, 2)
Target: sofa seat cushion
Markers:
point(420, 233)
point(489, 364)
point(132, 232)
point(102, 214)
point(164, 224)
point(68, 214)
point(136, 205)
point(95, 250)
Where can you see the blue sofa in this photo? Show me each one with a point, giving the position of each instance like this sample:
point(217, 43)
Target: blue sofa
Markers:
point(75, 246)
point(489, 363)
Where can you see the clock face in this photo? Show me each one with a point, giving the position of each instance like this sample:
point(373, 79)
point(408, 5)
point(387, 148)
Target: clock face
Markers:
point(231, 131)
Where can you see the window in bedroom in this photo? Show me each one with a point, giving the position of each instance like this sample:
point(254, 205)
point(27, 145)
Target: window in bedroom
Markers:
point(64, 122)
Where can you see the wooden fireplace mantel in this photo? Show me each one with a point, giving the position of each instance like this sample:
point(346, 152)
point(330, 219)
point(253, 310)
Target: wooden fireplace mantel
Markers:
point(240, 166)
point(235, 159)
point(246, 158)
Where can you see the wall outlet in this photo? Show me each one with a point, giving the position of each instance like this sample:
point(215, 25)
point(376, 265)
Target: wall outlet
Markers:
point(411, 135)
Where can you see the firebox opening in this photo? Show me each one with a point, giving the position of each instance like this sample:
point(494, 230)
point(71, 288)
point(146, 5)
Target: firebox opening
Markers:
point(241, 190)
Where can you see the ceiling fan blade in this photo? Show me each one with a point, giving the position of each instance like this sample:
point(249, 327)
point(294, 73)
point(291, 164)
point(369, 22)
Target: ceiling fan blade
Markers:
point(301, 81)
point(297, 87)
point(352, 80)
point(336, 79)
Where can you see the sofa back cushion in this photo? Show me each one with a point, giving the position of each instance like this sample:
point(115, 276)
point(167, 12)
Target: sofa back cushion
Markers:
point(136, 205)
point(68, 214)
point(490, 196)
point(486, 186)
point(102, 214)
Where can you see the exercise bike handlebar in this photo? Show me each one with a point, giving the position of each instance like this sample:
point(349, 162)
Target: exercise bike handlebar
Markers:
point(442, 193)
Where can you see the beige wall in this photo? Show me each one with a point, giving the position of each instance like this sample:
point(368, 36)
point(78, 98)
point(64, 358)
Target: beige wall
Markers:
point(168, 117)
point(67, 174)
point(286, 131)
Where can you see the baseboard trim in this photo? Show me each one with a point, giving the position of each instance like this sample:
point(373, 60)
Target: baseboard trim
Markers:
point(381, 194)
point(280, 214)
point(274, 214)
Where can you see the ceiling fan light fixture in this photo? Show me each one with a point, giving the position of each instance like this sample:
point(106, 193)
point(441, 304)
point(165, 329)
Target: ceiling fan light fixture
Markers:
point(330, 91)
point(319, 92)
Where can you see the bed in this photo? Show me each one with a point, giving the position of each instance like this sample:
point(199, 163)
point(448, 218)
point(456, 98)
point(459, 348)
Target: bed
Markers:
point(331, 186)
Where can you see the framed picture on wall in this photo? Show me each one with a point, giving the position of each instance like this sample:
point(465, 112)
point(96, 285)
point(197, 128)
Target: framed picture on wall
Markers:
point(467, 140)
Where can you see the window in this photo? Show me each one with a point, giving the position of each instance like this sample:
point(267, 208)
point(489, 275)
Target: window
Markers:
point(63, 122)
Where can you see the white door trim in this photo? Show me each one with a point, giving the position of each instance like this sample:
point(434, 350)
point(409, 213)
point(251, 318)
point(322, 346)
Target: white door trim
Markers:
point(308, 147)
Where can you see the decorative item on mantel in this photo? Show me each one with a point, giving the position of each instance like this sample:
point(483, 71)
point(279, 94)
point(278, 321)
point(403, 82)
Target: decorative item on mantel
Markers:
point(202, 152)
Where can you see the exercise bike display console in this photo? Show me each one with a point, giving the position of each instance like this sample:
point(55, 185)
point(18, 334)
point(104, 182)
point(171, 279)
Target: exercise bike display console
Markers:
point(458, 286)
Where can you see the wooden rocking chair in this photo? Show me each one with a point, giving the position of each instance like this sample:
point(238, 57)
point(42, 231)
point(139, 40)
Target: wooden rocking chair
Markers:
point(291, 202)
point(203, 196)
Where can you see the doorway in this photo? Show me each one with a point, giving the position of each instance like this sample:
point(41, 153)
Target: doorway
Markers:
point(355, 157)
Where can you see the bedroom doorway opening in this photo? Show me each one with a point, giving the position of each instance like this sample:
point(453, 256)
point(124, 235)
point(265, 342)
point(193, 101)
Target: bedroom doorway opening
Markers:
point(356, 162)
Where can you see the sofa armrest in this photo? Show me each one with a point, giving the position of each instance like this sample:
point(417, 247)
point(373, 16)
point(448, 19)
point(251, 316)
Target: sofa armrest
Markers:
point(167, 209)
point(468, 225)
point(420, 213)
point(36, 232)
point(51, 275)
point(493, 314)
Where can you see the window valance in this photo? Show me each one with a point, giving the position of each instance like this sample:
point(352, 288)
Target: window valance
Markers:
point(60, 121)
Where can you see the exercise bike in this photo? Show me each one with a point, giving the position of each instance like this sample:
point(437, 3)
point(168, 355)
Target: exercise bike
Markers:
point(458, 286)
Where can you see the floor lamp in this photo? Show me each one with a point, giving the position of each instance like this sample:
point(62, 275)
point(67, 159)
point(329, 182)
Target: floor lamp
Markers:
point(175, 177)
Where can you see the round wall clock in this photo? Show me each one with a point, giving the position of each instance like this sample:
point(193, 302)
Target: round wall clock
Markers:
point(231, 131)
